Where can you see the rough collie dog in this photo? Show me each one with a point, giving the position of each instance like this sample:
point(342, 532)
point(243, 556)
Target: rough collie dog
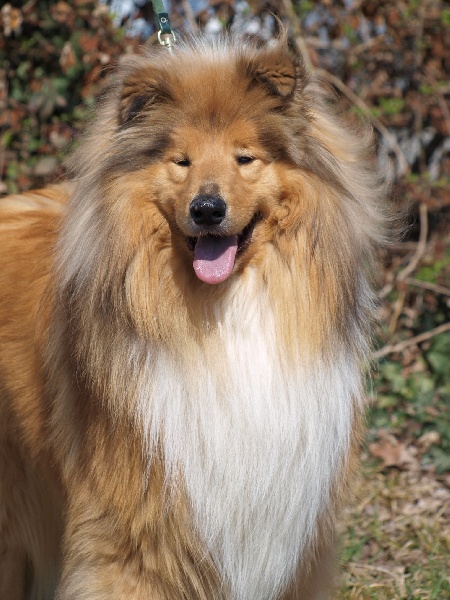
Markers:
point(184, 324)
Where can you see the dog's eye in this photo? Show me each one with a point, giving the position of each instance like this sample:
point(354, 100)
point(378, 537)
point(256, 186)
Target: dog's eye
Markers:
point(184, 162)
point(244, 160)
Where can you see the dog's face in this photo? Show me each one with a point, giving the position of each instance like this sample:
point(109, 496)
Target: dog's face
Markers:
point(219, 187)
point(208, 135)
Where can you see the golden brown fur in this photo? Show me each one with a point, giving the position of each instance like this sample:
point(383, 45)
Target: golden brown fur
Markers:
point(113, 351)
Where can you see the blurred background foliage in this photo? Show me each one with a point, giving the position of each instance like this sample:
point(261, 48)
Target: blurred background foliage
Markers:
point(389, 61)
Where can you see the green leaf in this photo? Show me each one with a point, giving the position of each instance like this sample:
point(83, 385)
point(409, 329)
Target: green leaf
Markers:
point(393, 373)
point(445, 17)
point(392, 106)
point(439, 354)
point(7, 139)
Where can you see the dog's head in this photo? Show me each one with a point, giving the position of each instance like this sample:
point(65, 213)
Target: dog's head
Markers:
point(212, 160)
point(202, 134)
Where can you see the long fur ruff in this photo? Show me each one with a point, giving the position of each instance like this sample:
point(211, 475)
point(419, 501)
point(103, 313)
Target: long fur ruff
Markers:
point(163, 435)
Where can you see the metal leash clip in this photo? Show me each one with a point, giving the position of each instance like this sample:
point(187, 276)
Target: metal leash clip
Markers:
point(167, 39)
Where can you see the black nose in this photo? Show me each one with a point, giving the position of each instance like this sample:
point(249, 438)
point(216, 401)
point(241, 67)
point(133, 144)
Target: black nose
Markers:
point(207, 210)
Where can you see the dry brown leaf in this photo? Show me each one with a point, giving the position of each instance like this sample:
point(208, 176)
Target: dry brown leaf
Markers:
point(394, 453)
point(430, 438)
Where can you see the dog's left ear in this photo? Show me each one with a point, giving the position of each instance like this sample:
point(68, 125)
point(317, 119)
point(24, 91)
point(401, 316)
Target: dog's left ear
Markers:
point(276, 69)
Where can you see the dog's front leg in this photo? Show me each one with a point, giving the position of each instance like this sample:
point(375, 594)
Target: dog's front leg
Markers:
point(103, 562)
point(142, 550)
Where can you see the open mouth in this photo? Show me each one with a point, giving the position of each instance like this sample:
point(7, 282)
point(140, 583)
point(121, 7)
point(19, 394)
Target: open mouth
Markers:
point(214, 256)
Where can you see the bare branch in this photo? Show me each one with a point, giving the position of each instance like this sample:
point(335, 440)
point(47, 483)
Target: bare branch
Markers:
point(189, 13)
point(419, 252)
point(421, 246)
point(368, 44)
point(442, 102)
point(390, 139)
point(417, 339)
point(426, 285)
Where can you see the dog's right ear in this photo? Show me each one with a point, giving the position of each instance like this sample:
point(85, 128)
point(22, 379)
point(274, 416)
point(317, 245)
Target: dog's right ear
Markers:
point(141, 90)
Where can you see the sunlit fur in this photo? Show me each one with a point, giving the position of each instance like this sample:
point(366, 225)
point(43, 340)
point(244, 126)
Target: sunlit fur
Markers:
point(162, 437)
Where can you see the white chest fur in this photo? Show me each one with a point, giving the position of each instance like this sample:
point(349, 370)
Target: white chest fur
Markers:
point(257, 440)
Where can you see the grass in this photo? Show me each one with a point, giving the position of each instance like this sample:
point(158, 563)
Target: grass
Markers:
point(396, 538)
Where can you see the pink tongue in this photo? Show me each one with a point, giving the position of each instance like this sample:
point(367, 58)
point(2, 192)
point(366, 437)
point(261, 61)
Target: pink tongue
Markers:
point(214, 257)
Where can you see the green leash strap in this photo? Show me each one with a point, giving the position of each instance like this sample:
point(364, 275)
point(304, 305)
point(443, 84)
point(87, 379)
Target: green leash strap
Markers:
point(166, 36)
